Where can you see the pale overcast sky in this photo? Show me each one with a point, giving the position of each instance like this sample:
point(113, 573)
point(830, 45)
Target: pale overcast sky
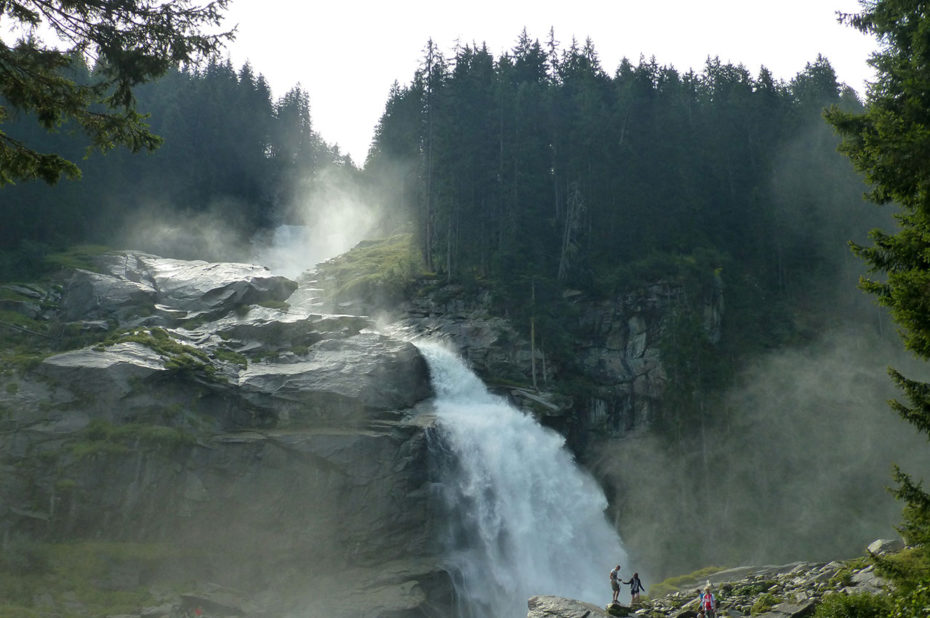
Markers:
point(347, 53)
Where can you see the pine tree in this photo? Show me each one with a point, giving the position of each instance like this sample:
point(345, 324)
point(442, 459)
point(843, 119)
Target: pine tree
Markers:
point(889, 143)
point(132, 42)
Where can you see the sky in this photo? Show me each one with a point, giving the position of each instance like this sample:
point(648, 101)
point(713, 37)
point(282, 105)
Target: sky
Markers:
point(346, 54)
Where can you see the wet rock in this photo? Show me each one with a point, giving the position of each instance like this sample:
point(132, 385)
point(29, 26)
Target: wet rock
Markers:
point(107, 374)
point(557, 607)
point(273, 446)
point(867, 580)
point(885, 546)
point(340, 380)
point(89, 296)
point(220, 601)
point(135, 285)
point(618, 354)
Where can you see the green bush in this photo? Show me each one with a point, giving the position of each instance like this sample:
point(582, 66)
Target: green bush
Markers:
point(764, 603)
point(859, 605)
point(913, 604)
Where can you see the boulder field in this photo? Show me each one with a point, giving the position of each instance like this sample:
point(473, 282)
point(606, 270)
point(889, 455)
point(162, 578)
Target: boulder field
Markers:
point(778, 591)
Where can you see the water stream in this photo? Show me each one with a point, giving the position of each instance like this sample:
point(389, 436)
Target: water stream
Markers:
point(523, 518)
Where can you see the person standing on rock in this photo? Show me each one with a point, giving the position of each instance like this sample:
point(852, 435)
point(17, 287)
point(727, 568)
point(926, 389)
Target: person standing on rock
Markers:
point(615, 582)
point(636, 586)
point(708, 603)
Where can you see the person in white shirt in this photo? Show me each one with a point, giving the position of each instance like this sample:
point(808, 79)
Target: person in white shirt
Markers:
point(615, 582)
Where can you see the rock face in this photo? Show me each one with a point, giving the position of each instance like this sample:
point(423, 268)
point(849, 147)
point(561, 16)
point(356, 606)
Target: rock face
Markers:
point(557, 607)
point(278, 452)
point(618, 354)
point(133, 282)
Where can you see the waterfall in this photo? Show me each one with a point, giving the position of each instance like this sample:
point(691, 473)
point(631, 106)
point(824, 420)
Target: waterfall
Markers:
point(523, 518)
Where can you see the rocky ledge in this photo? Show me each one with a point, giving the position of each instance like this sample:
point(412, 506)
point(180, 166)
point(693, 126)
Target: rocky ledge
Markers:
point(785, 591)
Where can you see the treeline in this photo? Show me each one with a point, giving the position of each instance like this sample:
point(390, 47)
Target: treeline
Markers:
point(229, 149)
point(540, 165)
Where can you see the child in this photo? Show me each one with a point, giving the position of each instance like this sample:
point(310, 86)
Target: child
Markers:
point(708, 604)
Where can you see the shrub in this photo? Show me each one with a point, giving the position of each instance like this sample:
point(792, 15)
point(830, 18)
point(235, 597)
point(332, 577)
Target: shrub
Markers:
point(859, 605)
point(913, 604)
point(764, 603)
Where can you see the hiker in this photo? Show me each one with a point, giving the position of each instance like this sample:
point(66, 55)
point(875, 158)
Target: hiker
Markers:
point(615, 582)
point(708, 603)
point(636, 586)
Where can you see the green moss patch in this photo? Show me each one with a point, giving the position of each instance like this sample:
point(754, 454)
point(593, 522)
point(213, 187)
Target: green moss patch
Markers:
point(79, 256)
point(101, 437)
point(178, 356)
point(372, 269)
point(19, 320)
point(229, 356)
point(683, 582)
point(158, 340)
point(9, 294)
point(64, 580)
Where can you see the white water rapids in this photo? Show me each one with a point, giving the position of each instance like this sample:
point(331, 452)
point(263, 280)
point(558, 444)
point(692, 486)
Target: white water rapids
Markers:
point(524, 518)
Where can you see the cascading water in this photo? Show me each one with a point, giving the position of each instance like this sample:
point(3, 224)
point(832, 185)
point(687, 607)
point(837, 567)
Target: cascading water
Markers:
point(524, 519)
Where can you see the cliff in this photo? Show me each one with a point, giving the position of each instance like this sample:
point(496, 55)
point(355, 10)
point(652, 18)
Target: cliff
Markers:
point(615, 351)
point(178, 423)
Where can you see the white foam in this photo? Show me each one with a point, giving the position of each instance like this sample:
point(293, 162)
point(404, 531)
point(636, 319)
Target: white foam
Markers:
point(525, 519)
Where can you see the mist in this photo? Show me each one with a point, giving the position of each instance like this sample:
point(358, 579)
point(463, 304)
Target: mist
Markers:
point(328, 216)
point(798, 470)
point(166, 231)
point(794, 460)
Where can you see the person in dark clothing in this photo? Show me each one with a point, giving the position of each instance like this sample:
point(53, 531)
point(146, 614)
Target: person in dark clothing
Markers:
point(636, 586)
